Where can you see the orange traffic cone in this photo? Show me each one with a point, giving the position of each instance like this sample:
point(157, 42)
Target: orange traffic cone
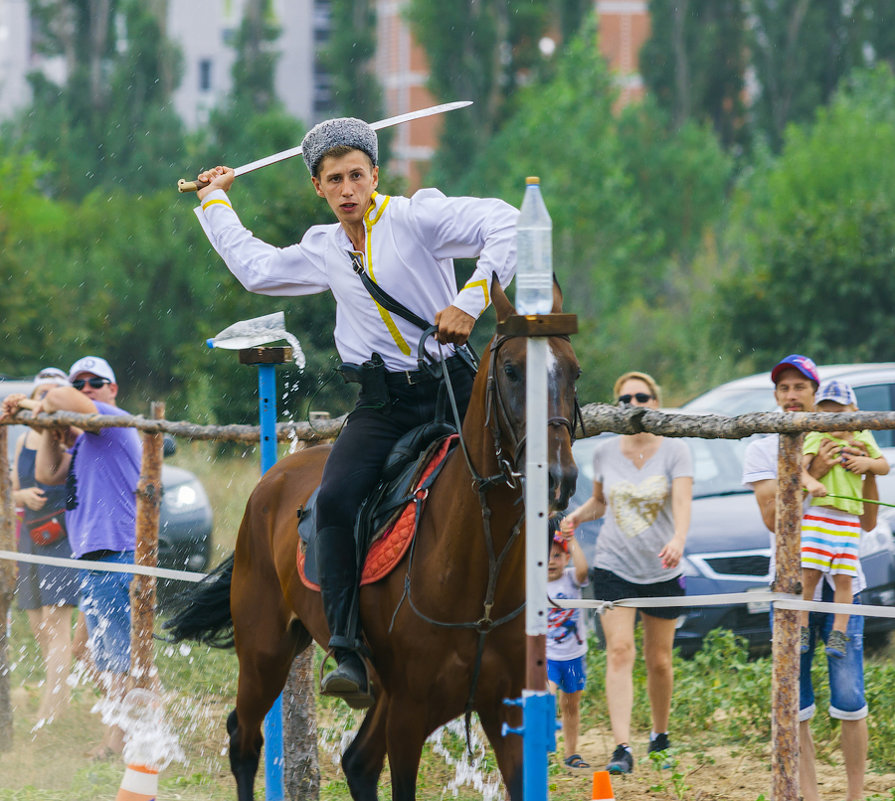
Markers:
point(602, 787)
point(140, 783)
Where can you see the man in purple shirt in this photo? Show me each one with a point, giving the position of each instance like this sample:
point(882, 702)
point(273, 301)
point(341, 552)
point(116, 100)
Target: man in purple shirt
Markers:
point(100, 471)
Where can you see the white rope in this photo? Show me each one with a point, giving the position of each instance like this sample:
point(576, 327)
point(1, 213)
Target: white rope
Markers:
point(782, 600)
point(111, 567)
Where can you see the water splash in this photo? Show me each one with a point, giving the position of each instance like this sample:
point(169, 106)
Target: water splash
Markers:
point(148, 740)
point(258, 331)
point(448, 742)
point(469, 770)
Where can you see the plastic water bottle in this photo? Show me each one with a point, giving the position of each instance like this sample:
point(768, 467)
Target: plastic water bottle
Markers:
point(534, 253)
point(255, 332)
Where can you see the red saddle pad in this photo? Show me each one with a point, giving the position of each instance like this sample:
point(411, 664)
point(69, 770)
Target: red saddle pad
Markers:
point(390, 547)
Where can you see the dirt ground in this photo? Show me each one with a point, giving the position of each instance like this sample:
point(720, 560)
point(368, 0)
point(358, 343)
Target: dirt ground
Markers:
point(717, 774)
point(49, 760)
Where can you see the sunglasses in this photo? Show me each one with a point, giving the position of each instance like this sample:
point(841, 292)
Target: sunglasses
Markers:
point(640, 397)
point(96, 383)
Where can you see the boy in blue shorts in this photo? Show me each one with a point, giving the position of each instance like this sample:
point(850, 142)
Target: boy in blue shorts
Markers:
point(566, 636)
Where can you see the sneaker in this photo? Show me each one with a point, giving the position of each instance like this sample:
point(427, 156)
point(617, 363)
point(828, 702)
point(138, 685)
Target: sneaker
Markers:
point(804, 640)
point(622, 760)
point(659, 744)
point(837, 642)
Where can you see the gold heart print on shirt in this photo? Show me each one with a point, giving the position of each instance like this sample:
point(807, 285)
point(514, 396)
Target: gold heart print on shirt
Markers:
point(637, 505)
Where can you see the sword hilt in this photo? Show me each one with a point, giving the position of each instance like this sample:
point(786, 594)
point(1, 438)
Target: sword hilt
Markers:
point(190, 186)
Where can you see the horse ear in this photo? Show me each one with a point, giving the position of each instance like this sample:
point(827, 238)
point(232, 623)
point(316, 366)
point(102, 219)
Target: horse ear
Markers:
point(557, 296)
point(501, 302)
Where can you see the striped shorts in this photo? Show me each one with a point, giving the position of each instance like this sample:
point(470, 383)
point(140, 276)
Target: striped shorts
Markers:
point(830, 541)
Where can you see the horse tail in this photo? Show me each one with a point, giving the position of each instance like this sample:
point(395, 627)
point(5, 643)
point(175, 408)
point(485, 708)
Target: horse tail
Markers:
point(203, 614)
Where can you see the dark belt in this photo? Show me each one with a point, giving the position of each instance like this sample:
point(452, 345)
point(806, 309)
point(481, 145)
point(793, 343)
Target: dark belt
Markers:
point(405, 378)
point(93, 556)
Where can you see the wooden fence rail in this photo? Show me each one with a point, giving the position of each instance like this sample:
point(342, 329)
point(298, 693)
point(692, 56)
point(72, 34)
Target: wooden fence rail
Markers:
point(595, 418)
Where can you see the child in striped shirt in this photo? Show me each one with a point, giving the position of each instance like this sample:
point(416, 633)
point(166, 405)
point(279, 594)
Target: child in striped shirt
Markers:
point(831, 528)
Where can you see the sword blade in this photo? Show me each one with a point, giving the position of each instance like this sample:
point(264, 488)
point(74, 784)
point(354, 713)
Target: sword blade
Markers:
point(376, 126)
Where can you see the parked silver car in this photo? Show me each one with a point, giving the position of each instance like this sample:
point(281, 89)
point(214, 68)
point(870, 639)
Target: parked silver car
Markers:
point(728, 547)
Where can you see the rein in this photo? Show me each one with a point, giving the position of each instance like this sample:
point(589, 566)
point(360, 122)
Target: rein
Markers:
point(510, 474)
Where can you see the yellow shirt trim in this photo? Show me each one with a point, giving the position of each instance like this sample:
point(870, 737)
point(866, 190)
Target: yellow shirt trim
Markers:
point(208, 203)
point(369, 222)
point(483, 283)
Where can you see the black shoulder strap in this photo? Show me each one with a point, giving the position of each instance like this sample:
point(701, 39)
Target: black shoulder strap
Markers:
point(382, 297)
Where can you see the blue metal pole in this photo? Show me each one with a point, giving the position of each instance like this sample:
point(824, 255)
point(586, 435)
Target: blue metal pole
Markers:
point(273, 722)
point(539, 738)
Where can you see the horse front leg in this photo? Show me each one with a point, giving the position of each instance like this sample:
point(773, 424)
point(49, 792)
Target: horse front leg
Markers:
point(405, 736)
point(507, 748)
point(364, 759)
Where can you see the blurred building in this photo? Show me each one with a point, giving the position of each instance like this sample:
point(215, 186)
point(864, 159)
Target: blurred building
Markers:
point(14, 55)
point(402, 67)
point(624, 28)
point(204, 30)
point(403, 70)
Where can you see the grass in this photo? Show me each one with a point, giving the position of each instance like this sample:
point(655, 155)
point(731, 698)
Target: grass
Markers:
point(721, 700)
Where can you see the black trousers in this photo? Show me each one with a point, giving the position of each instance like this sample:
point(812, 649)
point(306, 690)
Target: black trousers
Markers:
point(355, 464)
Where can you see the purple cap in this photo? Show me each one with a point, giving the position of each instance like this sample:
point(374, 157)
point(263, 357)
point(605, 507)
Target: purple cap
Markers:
point(838, 392)
point(801, 363)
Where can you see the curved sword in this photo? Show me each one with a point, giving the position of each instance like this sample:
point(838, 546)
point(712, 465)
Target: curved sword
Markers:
point(191, 186)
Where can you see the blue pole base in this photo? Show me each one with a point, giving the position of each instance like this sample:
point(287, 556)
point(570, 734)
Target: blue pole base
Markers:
point(538, 733)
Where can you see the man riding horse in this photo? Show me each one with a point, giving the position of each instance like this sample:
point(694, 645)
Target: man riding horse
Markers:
point(404, 246)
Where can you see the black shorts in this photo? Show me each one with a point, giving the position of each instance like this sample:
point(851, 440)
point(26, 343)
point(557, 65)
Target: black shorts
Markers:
point(610, 587)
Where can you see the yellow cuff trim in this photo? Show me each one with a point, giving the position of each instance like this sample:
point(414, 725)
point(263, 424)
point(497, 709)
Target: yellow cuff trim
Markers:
point(208, 203)
point(483, 283)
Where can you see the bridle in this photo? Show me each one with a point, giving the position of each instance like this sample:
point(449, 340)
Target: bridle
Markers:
point(497, 420)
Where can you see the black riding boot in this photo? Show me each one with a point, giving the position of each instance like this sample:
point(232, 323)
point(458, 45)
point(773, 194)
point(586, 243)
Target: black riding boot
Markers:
point(338, 574)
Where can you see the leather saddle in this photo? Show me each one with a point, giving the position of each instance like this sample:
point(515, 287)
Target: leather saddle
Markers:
point(405, 474)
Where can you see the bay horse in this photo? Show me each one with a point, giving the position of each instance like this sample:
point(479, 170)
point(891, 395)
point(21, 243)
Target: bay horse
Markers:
point(445, 629)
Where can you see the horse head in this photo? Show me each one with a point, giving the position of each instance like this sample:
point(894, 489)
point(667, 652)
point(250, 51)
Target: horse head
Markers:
point(505, 403)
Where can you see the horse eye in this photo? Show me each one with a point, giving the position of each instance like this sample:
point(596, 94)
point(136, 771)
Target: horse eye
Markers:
point(510, 371)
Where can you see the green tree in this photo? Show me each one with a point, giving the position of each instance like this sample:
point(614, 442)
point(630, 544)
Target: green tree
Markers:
point(111, 119)
point(630, 198)
point(809, 250)
point(348, 57)
point(694, 63)
point(479, 50)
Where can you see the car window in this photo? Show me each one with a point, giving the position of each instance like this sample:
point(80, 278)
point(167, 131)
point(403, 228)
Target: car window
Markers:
point(877, 398)
point(717, 465)
point(732, 402)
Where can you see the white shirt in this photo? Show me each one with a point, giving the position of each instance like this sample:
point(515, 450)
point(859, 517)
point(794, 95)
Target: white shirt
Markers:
point(410, 247)
point(759, 464)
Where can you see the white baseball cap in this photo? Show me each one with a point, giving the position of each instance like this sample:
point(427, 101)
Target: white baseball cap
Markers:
point(50, 375)
point(92, 364)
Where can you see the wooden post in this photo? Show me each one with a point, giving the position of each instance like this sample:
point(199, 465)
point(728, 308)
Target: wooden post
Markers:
point(149, 500)
point(301, 765)
point(785, 650)
point(7, 587)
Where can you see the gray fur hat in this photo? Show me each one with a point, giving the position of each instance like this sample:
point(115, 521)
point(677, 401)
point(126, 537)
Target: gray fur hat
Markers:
point(328, 134)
